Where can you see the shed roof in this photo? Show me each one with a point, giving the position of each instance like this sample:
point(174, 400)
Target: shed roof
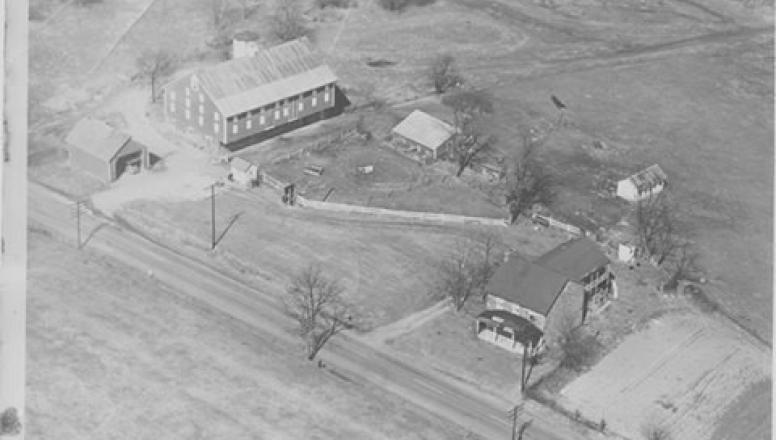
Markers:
point(527, 284)
point(243, 84)
point(241, 164)
point(97, 138)
point(574, 259)
point(424, 129)
point(525, 331)
point(648, 177)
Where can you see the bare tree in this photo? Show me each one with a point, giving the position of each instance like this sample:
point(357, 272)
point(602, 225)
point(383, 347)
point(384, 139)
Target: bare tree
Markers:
point(527, 182)
point(653, 431)
point(468, 268)
point(523, 428)
point(153, 65)
point(218, 10)
point(289, 24)
point(656, 228)
point(683, 265)
point(469, 142)
point(578, 348)
point(444, 75)
point(315, 301)
point(9, 422)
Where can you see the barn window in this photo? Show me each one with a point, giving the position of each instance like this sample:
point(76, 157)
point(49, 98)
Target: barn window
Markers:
point(201, 109)
point(248, 124)
point(277, 114)
point(285, 110)
point(301, 106)
point(215, 116)
point(188, 102)
point(234, 128)
point(201, 120)
point(261, 120)
point(326, 95)
point(215, 127)
point(188, 114)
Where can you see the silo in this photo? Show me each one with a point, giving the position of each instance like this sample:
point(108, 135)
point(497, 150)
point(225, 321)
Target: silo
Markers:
point(245, 44)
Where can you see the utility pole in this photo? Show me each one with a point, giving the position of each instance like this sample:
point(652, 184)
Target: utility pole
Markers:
point(515, 411)
point(522, 370)
point(212, 216)
point(78, 222)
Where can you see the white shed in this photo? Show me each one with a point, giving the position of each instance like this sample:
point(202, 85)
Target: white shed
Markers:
point(644, 184)
point(243, 172)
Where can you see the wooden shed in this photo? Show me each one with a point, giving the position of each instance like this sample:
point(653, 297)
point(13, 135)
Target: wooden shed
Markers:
point(426, 135)
point(106, 153)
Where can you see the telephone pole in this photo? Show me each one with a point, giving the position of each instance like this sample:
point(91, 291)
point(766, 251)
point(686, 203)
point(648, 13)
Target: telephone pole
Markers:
point(212, 216)
point(78, 204)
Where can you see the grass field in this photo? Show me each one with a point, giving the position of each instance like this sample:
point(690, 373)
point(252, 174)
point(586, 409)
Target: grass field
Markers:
point(388, 270)
point(112, 354)
point(683, 372)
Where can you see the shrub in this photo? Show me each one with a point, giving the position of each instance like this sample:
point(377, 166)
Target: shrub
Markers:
point(401, 5)
point(579, 349)
point(334, 3)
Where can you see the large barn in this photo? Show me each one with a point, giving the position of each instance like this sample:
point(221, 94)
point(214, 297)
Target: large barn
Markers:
point(242, 97)
point(103, 151)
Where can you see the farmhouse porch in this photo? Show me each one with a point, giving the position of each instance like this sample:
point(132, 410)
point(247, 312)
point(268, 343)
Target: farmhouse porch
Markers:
point(508, 331)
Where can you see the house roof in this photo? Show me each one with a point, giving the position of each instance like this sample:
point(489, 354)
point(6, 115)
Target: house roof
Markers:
point(243, 84)
point(574, 259)
point(97, 138)
point(528, 284)
point(241, 164)
point(648, 177)
point(525, 331)
point(424, 129)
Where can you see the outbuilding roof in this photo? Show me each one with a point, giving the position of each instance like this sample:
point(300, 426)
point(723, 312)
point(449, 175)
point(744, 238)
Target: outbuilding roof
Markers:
point(525, 331)
point(285, 70)
point(240, 164)
point(97, 138)
point(648, 178)
point(528, 284)
point(424, 129)
point(574, 259)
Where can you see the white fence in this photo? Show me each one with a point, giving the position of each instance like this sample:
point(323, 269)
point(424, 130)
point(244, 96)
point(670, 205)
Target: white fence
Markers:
point(411, 215)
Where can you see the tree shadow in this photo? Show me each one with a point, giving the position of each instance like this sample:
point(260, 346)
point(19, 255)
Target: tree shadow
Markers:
point(229, 225)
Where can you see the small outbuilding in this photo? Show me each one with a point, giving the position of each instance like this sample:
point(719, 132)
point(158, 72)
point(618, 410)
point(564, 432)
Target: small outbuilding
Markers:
point(100, 150)
point(642, 185)
point(243, 172)
point(424, 135)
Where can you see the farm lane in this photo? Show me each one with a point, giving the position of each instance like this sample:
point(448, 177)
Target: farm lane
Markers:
point(478, 413)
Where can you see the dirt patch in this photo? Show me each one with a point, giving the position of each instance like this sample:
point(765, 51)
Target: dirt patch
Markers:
point(687, 385)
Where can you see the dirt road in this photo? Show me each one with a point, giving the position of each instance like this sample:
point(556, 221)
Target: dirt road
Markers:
point(482, 414)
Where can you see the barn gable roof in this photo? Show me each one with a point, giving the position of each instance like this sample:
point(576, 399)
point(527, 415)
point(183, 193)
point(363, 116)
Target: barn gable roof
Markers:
point(97, 138)
point(528, 284)
point(648, 178)
point(243, 84)
point(424, 129)
point(574, 259)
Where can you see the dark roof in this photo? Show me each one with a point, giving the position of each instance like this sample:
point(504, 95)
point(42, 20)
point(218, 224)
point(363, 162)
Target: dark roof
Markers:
point(527, 284)
point(525, 331)
point(574, 259)
point(97, 138)
point(243, 84)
